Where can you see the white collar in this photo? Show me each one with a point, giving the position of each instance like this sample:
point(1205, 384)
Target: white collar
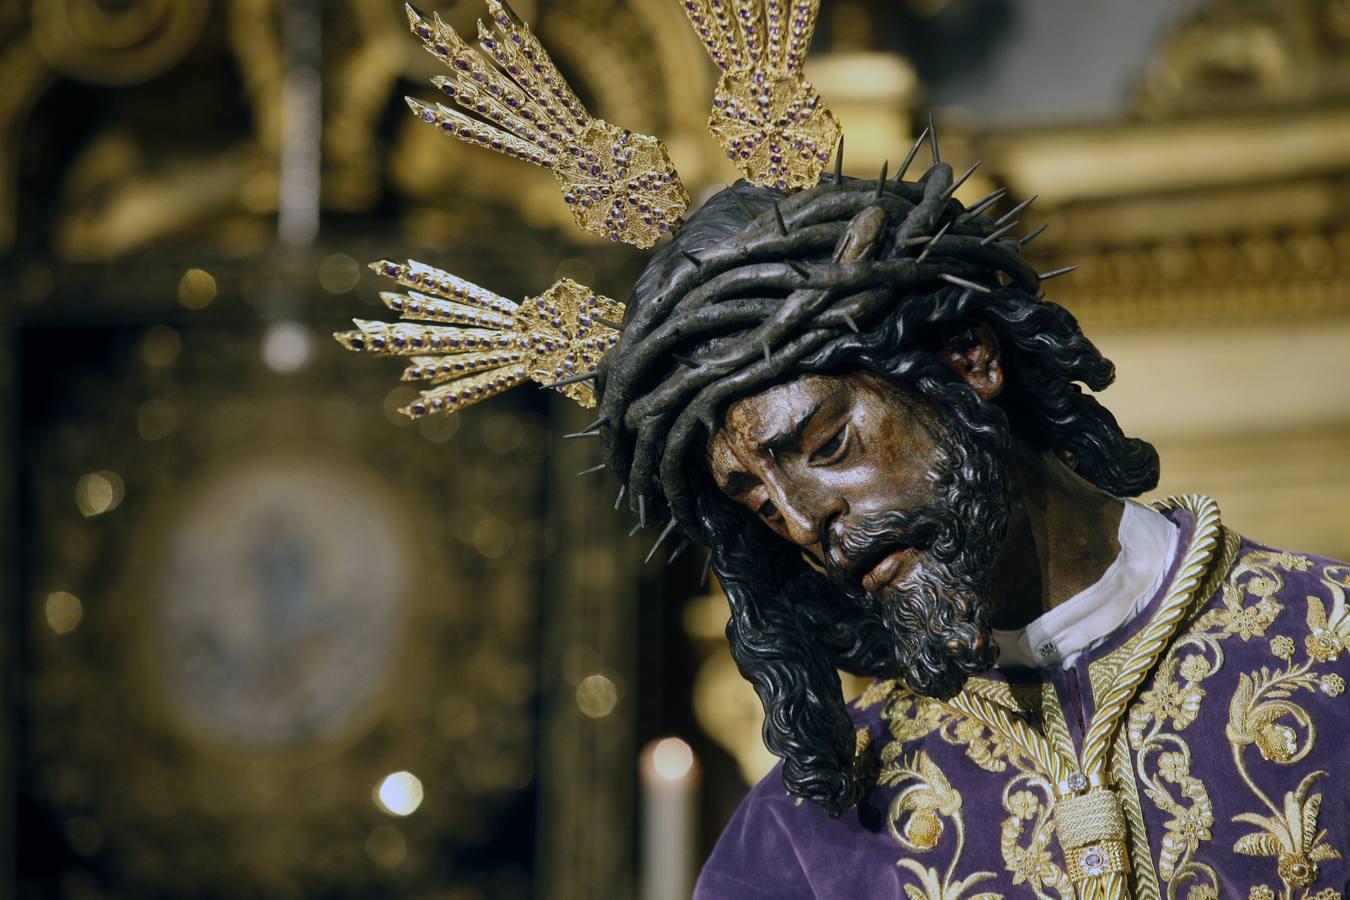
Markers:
point(1148, 541)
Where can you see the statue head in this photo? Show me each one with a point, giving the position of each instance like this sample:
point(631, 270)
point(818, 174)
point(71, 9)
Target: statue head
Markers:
point(826, 390)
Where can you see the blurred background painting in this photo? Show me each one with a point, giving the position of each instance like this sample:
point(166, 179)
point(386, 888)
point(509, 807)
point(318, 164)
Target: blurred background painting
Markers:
point(265, 638)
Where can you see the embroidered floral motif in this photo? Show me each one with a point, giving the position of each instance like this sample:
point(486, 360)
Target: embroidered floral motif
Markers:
point(917, 818)
point(918, 814)
point(1168, 699)
point(910, 717)
point(1329, 633)
point(1290, 836)
point(1028, 799)
point(1332, 685)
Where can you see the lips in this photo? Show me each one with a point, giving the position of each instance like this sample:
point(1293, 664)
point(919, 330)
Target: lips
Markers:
point(884, 569)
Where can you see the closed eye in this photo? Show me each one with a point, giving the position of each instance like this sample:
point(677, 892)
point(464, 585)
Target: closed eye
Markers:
point(832, 450)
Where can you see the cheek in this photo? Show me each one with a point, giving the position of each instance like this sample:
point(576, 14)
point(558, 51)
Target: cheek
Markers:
point(883, 472)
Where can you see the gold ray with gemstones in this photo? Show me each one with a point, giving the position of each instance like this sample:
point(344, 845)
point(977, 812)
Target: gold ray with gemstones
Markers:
point(769, 120)
point(472, 344)
point(512, 99)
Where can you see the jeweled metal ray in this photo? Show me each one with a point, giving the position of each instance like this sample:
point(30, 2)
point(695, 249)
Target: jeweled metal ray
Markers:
point(471, 344)
point(766, 116)
point(619, 185)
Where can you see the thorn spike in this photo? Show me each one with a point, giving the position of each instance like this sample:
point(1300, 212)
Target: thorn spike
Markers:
point(839, 162)
point(1023, 241)
point(1055, 273)
point(932, 140)
point(997, 233)
point(707, 570)
point(608, 323)
point(580, 434)
point(984, 203)
point(933, 243)
point(778, 218)
point(1013, 213)
point(678, 550)
point(642, 510)
point(623, 488)
point(881, 179)
point(956, 185)
point(591, 469)
point(909, 157)
point(670, 526)
point(698, 263)
point(962, 282)
point(848, 320)
point(768, 355)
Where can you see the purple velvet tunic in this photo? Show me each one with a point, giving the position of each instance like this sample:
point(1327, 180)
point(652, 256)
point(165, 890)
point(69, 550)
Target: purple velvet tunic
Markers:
point(1232, 761)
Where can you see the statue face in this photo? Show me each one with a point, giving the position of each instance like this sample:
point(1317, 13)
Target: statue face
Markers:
point(905, 507)
point(814, 457)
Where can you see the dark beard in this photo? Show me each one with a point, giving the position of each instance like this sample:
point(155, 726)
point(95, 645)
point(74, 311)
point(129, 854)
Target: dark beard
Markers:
point(939, 616)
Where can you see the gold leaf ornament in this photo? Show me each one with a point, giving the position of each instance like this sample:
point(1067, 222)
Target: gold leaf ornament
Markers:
point(769, 120)
point(471, 344)
point(512, 99)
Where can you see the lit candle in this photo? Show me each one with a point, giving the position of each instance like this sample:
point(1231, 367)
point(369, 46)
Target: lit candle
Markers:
point(670, 779)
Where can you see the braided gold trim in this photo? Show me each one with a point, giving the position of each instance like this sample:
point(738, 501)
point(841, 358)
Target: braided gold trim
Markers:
point(1090, 818)
point(994, 717)
point(1141, 855)
point(1159, 632)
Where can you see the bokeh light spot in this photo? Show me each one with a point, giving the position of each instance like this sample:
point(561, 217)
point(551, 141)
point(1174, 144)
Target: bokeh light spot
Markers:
point(493, 537)
point(155, 420)
point(287, 347)
point(64, 612)
point(672, 758)
point(399, 794)
point(439, 428)
point(196, 289)
point(160, 346)
point(84, 834)
point(387, 846)
point(98, 492)
point(597, 695)
point(339, 273)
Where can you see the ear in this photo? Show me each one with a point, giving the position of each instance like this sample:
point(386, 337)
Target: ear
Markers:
point(973, 354)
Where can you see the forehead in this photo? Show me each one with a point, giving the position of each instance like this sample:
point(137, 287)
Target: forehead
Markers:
point(751, 419)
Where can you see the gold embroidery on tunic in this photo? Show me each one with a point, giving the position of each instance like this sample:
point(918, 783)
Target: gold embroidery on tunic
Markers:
point(1029, 799)
point(917, 818)
point(1263, 712)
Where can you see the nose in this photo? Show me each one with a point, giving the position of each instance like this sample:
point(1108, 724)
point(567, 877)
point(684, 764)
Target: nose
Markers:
point(805, 513)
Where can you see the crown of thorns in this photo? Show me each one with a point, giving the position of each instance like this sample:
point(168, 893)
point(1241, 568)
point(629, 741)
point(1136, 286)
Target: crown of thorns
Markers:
point(875, 241)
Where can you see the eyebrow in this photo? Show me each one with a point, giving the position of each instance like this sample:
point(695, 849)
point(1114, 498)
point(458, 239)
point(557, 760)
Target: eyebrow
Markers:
point(792, 434)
